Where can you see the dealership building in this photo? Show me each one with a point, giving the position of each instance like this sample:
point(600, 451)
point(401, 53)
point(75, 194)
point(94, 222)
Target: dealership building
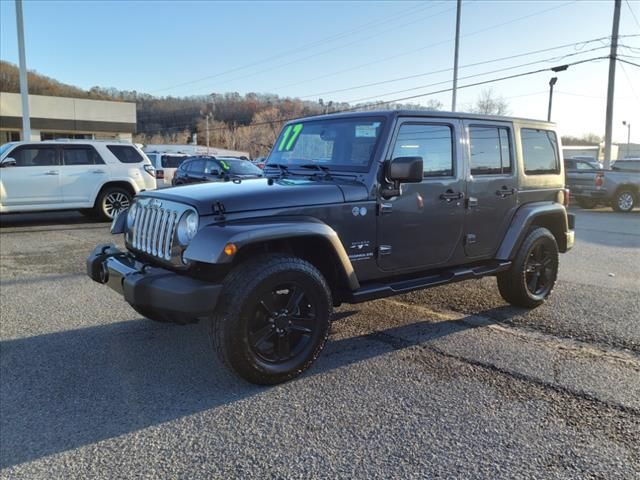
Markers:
point(62, 117)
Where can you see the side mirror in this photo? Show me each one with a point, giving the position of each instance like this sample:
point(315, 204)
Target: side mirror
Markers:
point(405, 170)
point(8, 162)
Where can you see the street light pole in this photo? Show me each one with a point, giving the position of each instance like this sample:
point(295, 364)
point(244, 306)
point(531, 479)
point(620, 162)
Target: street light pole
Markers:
point(24, 86)
point(455, 57)
point(552, 82)
point(628, 125)
point(608, 132)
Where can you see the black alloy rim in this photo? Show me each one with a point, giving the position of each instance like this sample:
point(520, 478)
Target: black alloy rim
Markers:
point(539, 270)
point(283, 323)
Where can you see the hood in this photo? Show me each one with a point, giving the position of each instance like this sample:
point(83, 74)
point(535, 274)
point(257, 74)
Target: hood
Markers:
point(254, 194)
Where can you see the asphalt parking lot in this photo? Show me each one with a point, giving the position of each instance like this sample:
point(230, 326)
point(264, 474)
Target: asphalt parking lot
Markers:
point(449, 382)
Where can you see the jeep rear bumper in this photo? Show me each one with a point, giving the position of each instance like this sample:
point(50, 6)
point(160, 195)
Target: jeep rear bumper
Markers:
point(570, 235)
point(155, 290)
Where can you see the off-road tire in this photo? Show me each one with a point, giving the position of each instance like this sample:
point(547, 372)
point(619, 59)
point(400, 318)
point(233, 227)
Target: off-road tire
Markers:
point(101, 206)
point(625, 200)
point(229, 325)
point(512, 283)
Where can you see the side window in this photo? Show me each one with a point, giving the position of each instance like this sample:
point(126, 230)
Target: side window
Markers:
point(211, 167)
point(81, 156)
point(125, 153)
point(434, 143)
point(197, 166)
point(539, 151)
point(34, 156)
point(490, 150)
point(583, 166)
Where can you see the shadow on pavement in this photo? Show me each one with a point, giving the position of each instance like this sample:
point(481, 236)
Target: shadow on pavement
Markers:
point(47, 219)
point(69, 389)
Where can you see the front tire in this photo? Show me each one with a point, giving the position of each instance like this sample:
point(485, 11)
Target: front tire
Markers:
point(273, 319)
point(624, 201)
point(112, 200)
point(533, 274)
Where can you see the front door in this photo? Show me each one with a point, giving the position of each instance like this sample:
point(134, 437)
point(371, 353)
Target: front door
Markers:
point(422, 227)
point(491, 188)
point(35, 178)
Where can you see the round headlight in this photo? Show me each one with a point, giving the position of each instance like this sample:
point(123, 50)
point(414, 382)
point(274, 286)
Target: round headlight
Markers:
point(187, 227)
point(131, 215)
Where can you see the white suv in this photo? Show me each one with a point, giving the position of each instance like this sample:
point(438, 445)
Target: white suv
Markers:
point(98, 177)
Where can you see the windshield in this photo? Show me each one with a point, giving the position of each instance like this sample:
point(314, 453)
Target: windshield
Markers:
point(172, 161)
point(5, 147)
point(340, 143)
point(239, 167)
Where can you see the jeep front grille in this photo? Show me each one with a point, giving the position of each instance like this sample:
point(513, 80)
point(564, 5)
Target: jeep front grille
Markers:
point(154, 230)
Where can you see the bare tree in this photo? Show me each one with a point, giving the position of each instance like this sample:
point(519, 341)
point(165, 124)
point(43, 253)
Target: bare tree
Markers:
point(488, 103)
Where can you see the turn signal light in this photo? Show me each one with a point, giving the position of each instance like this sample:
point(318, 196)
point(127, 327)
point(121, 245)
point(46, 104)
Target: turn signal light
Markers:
point(230, 249)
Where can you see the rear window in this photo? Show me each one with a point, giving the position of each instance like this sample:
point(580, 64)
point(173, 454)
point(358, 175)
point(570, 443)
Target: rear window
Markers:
point(172, 161)
point(539, 151)
point(126, 153)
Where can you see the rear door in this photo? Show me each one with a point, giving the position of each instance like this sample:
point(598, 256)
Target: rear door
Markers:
point(34, 180)
point(491, 188)
point(195, 172)
point(82, 173)
point(422, 227)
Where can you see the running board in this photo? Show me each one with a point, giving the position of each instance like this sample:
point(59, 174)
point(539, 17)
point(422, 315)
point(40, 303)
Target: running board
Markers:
point(381, 290)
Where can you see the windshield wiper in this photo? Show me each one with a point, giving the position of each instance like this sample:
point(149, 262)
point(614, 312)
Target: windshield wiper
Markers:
point(320, 168)
point(284, 169)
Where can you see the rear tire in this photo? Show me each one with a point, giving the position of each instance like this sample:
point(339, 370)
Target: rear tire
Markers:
point(273, 318)
point(534, 271)
point(624, 201)
point(111, 200)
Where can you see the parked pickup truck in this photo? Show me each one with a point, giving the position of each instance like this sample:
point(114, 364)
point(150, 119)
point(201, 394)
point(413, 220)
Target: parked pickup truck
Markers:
point(592, 186)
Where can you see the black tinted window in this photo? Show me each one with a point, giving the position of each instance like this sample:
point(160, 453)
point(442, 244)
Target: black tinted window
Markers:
point(490, 151)
point(34, 156)
point(431, 142)
point(126, 153)
point(196, 166)
point(80, 156)
point(540, 151)
point(172, 161)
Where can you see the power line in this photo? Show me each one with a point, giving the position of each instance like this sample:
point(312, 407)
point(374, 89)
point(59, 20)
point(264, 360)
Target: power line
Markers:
point(412, 97)
point(410, 11)
point(632, 13)
point(408, 77)
point(630, 63)
point(408, 52)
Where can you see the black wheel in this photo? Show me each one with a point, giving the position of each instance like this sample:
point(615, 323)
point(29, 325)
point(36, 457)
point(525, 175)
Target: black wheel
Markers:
point(111, 200)
point(587, 203)
point(534, 271)
point(273, 319)
point(624, 201)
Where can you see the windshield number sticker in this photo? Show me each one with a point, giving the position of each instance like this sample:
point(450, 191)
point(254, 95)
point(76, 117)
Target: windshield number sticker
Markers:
point(367, 131)
point(289, 137)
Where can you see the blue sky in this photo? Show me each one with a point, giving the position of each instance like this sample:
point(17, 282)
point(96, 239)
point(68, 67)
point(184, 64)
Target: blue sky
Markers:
point(312, 49)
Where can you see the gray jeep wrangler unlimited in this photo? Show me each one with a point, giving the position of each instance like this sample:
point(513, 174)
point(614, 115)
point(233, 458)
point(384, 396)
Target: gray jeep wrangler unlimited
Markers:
point(354, 207)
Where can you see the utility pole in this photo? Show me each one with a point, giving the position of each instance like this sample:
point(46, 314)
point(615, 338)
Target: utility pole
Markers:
point(24, 86)
point(628, 125)
point(206, 118)
point(552, 82)
point(608, 131)
point(455, 57)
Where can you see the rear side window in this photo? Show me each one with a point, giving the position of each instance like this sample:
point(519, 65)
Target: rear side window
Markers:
point(431, 142)
point(196, 166)
point(34, 156)
point(490, 151)
point(126, 153)
point(539, 151)
point(81, 156)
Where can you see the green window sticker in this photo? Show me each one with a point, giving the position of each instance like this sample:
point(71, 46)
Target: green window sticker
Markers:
point(289, 137)
point(225, 165)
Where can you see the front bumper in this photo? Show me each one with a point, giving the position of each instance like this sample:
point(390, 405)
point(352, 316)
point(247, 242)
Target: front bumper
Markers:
point(155, 290)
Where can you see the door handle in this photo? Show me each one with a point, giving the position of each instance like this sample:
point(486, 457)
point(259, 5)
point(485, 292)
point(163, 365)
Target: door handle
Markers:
point(97, 171)
point(451, 195)
point(505, 192)
point(51, 172)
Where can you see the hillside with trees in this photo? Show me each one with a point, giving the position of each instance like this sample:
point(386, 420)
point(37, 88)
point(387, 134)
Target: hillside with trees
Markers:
point(249, 122)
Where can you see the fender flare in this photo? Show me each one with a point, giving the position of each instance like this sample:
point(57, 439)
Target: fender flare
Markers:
point(521, 222)
point(208, 245)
